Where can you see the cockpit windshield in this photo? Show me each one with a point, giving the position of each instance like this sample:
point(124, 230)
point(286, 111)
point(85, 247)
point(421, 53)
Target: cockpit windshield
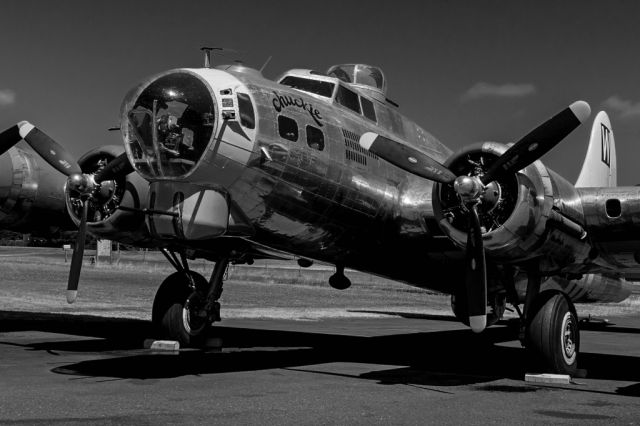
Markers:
point(318, 87)
point(169, 125)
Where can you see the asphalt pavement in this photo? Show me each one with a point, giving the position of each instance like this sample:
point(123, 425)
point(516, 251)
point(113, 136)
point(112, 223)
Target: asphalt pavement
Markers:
point(397, 369)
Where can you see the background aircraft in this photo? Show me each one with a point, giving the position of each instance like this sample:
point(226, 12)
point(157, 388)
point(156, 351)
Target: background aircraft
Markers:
point(32, 197)
point(323, 166)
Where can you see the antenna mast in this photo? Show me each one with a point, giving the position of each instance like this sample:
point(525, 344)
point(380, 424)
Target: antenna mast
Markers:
point(207, 55)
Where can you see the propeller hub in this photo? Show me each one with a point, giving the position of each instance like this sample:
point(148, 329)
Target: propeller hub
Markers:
point(105, 190)
point(469, 188)
point(81, 183)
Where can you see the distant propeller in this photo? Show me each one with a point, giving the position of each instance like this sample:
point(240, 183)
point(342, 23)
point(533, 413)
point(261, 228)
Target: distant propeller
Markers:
point(78, 254)
point(471, 189)
point(54, 154)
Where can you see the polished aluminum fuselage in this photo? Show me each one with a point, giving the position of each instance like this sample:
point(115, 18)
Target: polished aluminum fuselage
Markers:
point(340, 204)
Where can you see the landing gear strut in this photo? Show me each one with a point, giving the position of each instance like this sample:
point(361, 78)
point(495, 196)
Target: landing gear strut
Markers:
point(186, 303)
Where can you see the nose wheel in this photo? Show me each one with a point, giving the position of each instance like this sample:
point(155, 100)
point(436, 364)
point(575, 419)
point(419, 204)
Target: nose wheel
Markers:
point(186, 304)
point(176, 313)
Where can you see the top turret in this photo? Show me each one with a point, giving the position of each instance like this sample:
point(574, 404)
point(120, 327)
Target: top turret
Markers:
point(364, 77)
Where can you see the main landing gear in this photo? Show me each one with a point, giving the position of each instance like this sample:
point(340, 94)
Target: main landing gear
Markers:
point(186, 304)
point(549, 327)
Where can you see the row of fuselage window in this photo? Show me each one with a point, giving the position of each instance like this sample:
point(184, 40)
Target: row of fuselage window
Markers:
point(288, 129)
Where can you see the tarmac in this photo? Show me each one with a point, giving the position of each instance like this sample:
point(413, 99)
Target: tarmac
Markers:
point(397, 369)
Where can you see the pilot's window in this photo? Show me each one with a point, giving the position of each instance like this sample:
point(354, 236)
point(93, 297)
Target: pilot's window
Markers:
point(613, 208)
point(322, 88)
point(315, 138)
point(247, 116)
point(288, 128)
point(348, 98)
point(367, 109)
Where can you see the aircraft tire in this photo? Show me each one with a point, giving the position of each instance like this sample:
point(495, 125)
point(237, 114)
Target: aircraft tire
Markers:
point(553, 334)
point(171, 316)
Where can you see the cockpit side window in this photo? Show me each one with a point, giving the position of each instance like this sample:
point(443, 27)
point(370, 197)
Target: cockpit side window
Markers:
point(247, 116)
point(367, 109)
point(318, 87)
point(288, 128)
point(348, 98)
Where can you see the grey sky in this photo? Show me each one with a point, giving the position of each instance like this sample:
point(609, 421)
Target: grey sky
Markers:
point(465, 70)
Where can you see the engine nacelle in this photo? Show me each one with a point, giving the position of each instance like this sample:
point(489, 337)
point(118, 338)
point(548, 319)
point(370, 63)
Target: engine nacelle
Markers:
point(105, 219)
point(31, 194)
point(534, 213)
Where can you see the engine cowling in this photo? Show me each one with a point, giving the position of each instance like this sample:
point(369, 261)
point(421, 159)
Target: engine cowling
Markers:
point(105, 219)
point(529, 214)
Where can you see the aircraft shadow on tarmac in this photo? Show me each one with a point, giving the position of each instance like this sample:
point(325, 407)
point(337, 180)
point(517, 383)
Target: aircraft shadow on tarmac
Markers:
point(438, 358)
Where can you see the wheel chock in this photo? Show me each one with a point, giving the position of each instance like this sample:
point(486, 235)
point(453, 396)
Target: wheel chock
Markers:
point(213, 344)
point(170, 347)
point(563, 379)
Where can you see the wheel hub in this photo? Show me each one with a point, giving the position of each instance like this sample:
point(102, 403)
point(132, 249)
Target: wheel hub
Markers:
point(192, 318)
point(568, 337)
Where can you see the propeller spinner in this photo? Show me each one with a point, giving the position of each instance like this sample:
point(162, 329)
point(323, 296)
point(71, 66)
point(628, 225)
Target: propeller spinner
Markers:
point(472, 190)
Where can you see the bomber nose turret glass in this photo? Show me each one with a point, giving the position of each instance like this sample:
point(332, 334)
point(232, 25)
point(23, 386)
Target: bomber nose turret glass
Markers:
point(168, 125)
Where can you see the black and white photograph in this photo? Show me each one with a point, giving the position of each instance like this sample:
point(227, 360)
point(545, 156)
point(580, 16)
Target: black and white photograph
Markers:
point(319, 212)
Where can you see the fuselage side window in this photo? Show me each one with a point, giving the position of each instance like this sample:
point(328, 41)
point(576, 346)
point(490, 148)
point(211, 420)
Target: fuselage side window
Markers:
point(348, 98)
point(247, 116)
point(367, 109)
point(315, 138)
point(288, 128)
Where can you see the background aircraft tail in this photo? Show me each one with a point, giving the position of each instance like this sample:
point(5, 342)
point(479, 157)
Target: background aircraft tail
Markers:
point(600, 166)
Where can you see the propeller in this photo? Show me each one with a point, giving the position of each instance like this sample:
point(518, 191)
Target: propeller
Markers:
point(47, 148)
point(471, 189)
point(86, 185)
point(406, 157)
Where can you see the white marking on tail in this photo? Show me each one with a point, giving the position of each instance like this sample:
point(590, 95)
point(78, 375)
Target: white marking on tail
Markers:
point(600, 165)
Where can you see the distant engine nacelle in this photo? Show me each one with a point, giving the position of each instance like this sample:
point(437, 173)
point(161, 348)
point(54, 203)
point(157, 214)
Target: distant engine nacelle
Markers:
point(532, 214)
point(31, 194)
point(105, 219)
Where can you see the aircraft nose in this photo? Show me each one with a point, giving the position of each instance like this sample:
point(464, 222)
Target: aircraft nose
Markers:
point(167, 124)
point(190, 124)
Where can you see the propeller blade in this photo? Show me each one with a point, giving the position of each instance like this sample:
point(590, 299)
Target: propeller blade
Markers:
point(538, 142)
point(476, 279)
point(9, 138)
point(407, 158)
point(52, 152)
point(119, 166)
point(78, 253)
